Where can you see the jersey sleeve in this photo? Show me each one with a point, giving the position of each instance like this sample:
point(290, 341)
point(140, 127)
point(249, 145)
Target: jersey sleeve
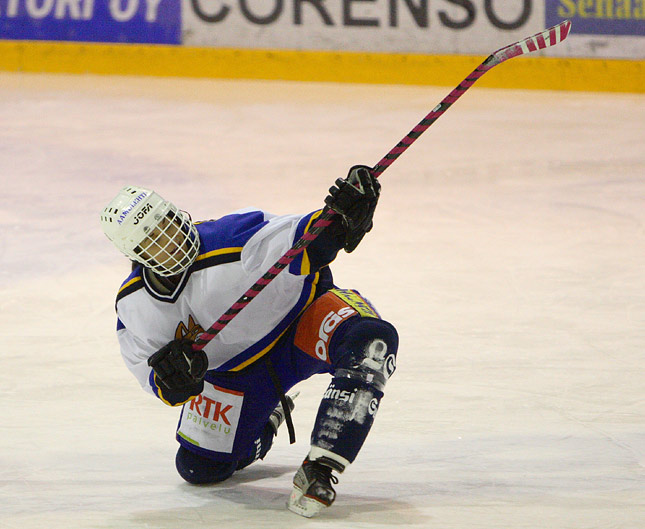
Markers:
point(277, 237)
point(325, 247)
point(135, 353)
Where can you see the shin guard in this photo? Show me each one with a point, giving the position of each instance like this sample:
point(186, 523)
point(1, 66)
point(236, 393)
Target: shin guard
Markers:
point(366, 358)
point(345, 416)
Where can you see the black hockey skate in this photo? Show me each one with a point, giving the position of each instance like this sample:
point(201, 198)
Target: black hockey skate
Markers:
point(312, 488)
point(277, 416)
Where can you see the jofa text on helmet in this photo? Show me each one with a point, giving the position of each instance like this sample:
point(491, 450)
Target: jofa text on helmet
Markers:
point(144, 211)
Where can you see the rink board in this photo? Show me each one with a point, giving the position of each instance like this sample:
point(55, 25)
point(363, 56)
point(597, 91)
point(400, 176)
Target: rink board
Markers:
point(553, 73)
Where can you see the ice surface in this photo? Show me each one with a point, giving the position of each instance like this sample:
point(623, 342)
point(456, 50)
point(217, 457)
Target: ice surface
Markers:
point(508, 249)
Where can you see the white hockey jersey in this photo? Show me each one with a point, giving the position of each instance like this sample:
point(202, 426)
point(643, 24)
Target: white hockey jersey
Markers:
point(236, 250)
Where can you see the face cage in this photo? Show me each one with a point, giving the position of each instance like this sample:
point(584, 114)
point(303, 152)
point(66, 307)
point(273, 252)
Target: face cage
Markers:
point(171, 247)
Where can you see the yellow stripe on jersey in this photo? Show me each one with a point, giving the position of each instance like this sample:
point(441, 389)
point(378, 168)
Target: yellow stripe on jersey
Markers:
point(305, 266)
point(129, 283)
point(221, 251)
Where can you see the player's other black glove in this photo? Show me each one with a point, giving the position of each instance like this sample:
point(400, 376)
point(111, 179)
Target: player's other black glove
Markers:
point(354, 199)
point(178, 367)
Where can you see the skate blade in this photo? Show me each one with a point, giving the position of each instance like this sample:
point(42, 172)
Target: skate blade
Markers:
point(302, 505)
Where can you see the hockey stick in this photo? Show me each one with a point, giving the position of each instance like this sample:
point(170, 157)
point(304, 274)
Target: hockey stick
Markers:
point(545, 39)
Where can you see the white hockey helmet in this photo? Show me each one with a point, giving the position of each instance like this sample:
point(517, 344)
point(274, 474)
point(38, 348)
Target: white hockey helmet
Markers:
point(151, 231)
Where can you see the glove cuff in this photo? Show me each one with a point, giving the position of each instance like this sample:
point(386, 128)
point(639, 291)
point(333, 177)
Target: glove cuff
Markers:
point(177, 396)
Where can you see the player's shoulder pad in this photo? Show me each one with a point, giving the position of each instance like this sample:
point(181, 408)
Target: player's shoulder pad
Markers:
point(222, 239)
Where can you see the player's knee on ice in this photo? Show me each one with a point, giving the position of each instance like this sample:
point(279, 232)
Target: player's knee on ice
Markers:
point(200, 470)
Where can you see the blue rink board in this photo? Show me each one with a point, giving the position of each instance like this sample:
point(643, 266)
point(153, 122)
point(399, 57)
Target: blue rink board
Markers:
point(87, 21)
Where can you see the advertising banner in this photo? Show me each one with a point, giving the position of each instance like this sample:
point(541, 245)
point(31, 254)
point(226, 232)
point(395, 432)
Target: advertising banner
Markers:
point(599, 17)
point(132, 21)
point(607, 29)
point(402, 26)
point(601, 28)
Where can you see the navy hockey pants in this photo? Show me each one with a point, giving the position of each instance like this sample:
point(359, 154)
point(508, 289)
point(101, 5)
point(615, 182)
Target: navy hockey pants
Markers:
point(324, 339)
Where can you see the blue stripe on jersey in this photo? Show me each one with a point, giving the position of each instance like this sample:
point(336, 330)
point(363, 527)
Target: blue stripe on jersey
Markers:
point(119, 325)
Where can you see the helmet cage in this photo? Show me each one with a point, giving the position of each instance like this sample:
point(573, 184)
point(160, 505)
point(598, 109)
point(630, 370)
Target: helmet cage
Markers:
point(171, 246)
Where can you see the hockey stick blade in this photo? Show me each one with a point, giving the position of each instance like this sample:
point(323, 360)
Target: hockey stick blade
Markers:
point(547, 38)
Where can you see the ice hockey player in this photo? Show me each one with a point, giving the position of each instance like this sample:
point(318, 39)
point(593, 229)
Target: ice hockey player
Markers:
point(185, 275)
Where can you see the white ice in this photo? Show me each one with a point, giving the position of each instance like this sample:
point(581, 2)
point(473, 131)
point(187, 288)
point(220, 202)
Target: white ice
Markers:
point(508, 249)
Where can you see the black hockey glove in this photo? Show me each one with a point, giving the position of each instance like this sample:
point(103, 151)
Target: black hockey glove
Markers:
point(354, 199)
point(178, 367)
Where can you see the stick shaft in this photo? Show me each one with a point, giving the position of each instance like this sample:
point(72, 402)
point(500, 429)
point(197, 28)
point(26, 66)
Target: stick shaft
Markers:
point(544, 39)
point(430, 118)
